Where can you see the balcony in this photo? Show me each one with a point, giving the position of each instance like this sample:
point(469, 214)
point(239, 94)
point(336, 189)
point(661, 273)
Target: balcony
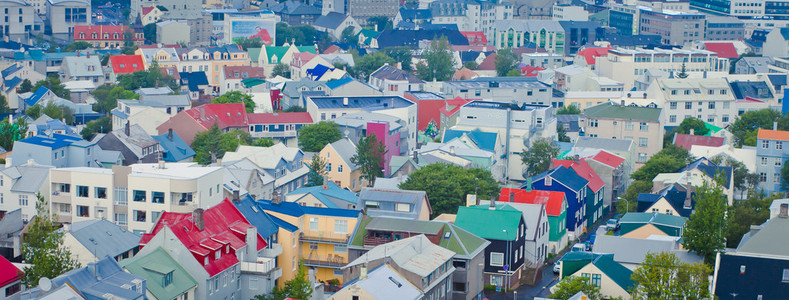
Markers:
point(273, 251)
point(324, 237)
point(375, 241)
point(263, 266)
point(275, 134)
point(325, 263)
point(60, 198)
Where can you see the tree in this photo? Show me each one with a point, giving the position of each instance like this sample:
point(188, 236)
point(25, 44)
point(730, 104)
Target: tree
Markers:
point(631, 195)
point(747, 125)
point(280, 70)
point(401, 55)
point(568, 110)
point(682, 72)
point(668, 160)
point(662, 276)
point(571, 285)
point(25, 87)
point(447, 185)
point(538, 158)
point(41, 247)
point(370, 158)
point(317, 171)
point(34, 111)
point(249, 43)
point(688, 124)
point(754, 210)
point(741, 172)
point(298, 35)
point(237, 97)
point(12, 132)
point(380, 23)
point(77, 46)
point(704, 231)
point(153, 77)
point(149, 31)
point(4, 109)
point(297, 288)
point(367, 64)
point(513, 73)
point(58, 112)
point(295, 108)
point(53, 84)
point(100, 125)
point(107, 97)
point(129, 46)
point(562, 134)
point(439, 61)
point(263, 142)
point(471, 65)
point(313, 137)
point(213, 141)
point(348, 37)
point(506, 61)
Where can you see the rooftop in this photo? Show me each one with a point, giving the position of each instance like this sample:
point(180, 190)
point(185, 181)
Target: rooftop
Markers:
point(415, 254)
point(615, 111)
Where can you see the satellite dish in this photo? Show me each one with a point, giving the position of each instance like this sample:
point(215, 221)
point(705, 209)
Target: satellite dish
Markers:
point(45, 284)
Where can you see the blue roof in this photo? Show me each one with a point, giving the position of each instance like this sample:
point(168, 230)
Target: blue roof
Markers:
point(119, 114)
point(57, 141)
point(262, 221)
point(411, 38)
point(193, 80)
point(99, 278)
point(37, 95)
point(648, 198)
point(370, 103)
point(318, 71)
point(176, 149)
point(104, 238)
point(329, 196)
point(777, 79)
point(483, 140)
point(333, 84)
point(10, 70)
point(296, 210)
point(12, 83)
point(565, 176)
point(284, 225)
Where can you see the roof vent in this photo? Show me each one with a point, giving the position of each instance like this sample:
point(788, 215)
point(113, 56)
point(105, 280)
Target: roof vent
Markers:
point(395, 281)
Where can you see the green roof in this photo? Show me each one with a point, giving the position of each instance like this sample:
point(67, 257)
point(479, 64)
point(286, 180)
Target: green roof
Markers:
point(712, 128)
point(616, 111)
point(461, 241)
point(490, 224)
point(250, 82)
point(653, 218)
point(279, 51)
point(361, 231)
point(578, 256)
point(153, 267)
point(310, 49)
point(369, 35)
point(614, 270)
point(254, 54)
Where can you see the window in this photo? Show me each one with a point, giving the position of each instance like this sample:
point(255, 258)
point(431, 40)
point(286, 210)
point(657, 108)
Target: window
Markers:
point(65, 188)
point(765, 144)
point(785, 276)
point(642, 142)
point(596, 279)
point(139, 215)
point(121, 219)
point(643, 126)
point(778, 162)
point(762, 177)
point(712, 105)
point(340, 249)
point(341, 226)
point(167, 279)
point(725, 119)
point(673, 105)
point(764, 161)
point(82, 191)
point(688, 105)
point(779, 145)
point(155, 216)
point(23, 200)
point(777, 178)
point(672, 118)
point(139, 196)
point(313, 246)
point(496, 280)
point(339, 168)
point(496, 259)
point(328, 167)
point(628, 125)
point(404, 207)
point(642, 157)
point(157, 197)
point(83, 211)
point(314, 224)
point(101, 192)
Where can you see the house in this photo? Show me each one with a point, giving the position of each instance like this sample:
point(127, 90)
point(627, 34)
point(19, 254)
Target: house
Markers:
point(469, 249)
point(165, 277)
point(753, 65)
point(91, 240)
point(379, 283)
point(506, 235)
point(173, 32)
point(106, 36)
point(306, 65)
point(393, 81)
point(11, 226)
point(284, 164)
point(425, 265)
point(575, 187)
point(283, 126)
point(100, 279)
point(63, 151)
point(19, 186)
point(536, 244)
point(10, 280)
point(649, 221)
point(149, 111)
point(474, 19)
point(611, 277)
point(150, 14)
point(133, 143)
point(687, 141)
point(395, 203)
point(339, 167)
point(82, 68)
point(296, 13)
point(190, 122)
point(708, 99)
point(232, 76)
point(194, 84)
point(776, 43)
point(555, 207)
point(618, 121)
point(594, 196)
point(610, 168)
point(631, 251)
point(390, 131)
point(335, 23)
point(694, 175)
point(770, 157)
point(124, 64)
point(246, 179)
point(625, 65)
point(587, 146)
point(328, 195)
point(173, 148)
point(462, 153)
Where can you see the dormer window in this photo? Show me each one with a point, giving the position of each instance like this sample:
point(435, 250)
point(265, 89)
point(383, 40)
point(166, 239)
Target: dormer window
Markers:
point(81, 35)
point(94, 35)
point(167, 279)
point(115, 36)
point(106, 36)
point(227, 249)
point(217, 254)
point(205, 260)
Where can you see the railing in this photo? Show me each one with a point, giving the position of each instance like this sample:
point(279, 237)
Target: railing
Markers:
point(274, 251)
point(275, 134)
point(262, 266)
point(324, 237)
point(375, 241)
point(325, 261)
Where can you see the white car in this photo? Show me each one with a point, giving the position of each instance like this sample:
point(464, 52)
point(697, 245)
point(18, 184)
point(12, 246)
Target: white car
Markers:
point(557, 268)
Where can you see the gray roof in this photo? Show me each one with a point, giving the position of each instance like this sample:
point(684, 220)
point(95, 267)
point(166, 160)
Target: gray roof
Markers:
point(154, 91)
point(360, 120)
point(27, 178)
point(165, 100)
point(392, 73)
point(767, 239)
point(416, 254)
point(387, 200)
point(331, 20)
point(383, 282)
point(346, 149)
point(11, 224)
point(633, 251)
point(136, 140)
point(83, 66)
point(293, 88)
point(528, 25)
point(604, 143)
point(104, 238)
point(760, 64)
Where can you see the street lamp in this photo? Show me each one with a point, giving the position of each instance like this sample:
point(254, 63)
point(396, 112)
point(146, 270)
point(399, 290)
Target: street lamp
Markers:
point(627, 204)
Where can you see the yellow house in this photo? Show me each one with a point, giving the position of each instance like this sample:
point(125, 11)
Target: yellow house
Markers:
point(339, 167)
point(316, 236)
point(644, 232)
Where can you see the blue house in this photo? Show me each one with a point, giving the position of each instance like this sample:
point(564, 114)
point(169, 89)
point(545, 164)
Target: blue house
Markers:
point(174, 149)
point(574, 187)
point(770, 157)
point(63, 151)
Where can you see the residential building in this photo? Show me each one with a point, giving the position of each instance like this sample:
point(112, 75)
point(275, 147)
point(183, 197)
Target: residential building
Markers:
point(176, 9)
point(555, 207)
point(296, 13)
point(471, 15)
point(574, 187)
point(425, 265)
point(578, 35)
point(173, 148)
point(123, 64)
point(675, 27)
point(722, 28)
point(394, 81)
point(536, 243)
point(391, 131)
point(190, 122)
point(62, 151)
point(595, 210)
point(777, 43)
point(19, 186)
point(328, 195)
point(339, 167)
point(100, 279)
point(268, 228)
point(465, 152)
point(246, 179)
point(603, 271)
point(770, 157)
point(611, 169)
point(575, 78)
point(82, 68)
point(10, 280)
point(106, 36)
point(165, 277)
point(631, 251)
point(173, 32)
point(469, 249)
point(565, 12)
point(618, 121)
point(518, 90)
point(656, 223)
point(21, 23)
point(507, 241)
point(150, 14)
point(92, 240)
point(380, 282)
point(362, 9)
point(413, 38)
point(710, 100)
point(542, 34)
point(63, 15)
point(753, 65)
point(149, 111)
point(395, 203)
point(335, 23)
point(233, 76)
point(284, 164)
point(134, 144)
point(11, 226)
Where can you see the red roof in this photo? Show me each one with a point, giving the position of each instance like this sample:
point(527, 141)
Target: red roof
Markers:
point(126, 64)
point(8, 272)
point(725, 50)
point(244, 72)
point(767, 134)
point(593, 52)
point(475, 37)
point(114, 32)
point(280, 118)
point(582, 168)
point(146, 10)
point(489, 63)
point(608, 158)
point(686, 141)
point(224, 115)
point(553, 201)
point(531, 71)
point(430, 110)
point(301, 58)
point(332, 49)
point(215, 236)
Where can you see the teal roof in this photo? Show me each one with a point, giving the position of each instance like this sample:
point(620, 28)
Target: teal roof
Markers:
point(250, 82)
point(369, 35)
point(616, 111)
point(490, 224)
point(578, 256)
point(153, 267)
point(254, 54)
point(279, 51)
point(484, 140)
point(614, 270)
point(653, 218)
point(310, 49)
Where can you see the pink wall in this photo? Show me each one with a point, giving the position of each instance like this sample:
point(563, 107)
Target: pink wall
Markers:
point(391, 142)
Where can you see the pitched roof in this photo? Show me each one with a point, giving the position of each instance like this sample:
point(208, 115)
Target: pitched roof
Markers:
point(770, 239)
point(389, 198)
point(193, 80)
point(489, 63)
point(725, 49)
point(223, 114)
point(295, 210)
point(224, 226)
point(614, 270)
point(104, 238)
point(345, 149)
point(634, 250)
point(653, 218)
point(615, 111)
point(603, 143)
point(87, 31)
point(280, 118)
point(295, 8)
point(28, 178)
point(554, 201)
point(582, 168)
point(8, 272)
point(608, 158)
point(176, 149)
point(483, 140)
point(479, 220)
point(332, 195)
point(686, 141)
point(257, 217)
point(244, 72)
point(96, 280)
point(767, 134)
point(264, 157)
point(475, 37)
point(331, 20)
point(383, 282)
point(415, 254)
point(591, 53)
point(153, 267)
point(392, 73)
point(126, 64)
point(565, 176)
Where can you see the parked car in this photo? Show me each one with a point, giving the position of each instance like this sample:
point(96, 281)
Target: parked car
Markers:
point(612, 225)
point(579, 247)
point(557, 268)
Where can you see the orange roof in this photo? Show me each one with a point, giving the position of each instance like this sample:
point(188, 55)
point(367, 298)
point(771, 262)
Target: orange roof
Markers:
point(767, 134)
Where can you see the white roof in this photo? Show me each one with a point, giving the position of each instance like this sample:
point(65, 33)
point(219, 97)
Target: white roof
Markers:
point(188, 170)
point(746, 155)
point(415, 254)
point(263, 157)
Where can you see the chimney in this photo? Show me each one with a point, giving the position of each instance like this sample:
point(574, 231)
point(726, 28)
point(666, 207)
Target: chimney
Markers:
point(127, 129)
point(325, 182)
point(471, 199)
point(416, 157)
point(275, 198)
point(512, 196)
point(236, 196)
point(688, 194)
point(775, 125)
point(623, 102)
point(692, 131)
point(528, 184)
point(363, 271)
point(170, 134)
point(452, 149)
point(218, 162)
point(197, 218)
point(784, 211)
point(492, 204)
point(345, 101)
point(252, 244)
point(8, 162)
point(161, 164)
point(576, 158)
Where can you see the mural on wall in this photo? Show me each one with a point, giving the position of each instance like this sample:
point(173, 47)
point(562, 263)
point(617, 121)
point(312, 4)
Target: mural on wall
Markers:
point(431, 130)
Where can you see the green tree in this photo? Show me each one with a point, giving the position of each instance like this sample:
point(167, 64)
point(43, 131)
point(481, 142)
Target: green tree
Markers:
point(705, 230)
point(439, 61)
point(53, 84)
point(754, 210)
point(668, 160)
point(297, 288)
point(129, 46)
point(313, 137)
point(237, 97)
point(41, 247)
point(380, 23)
point(25, 87)
point(100, 125)
point(471, 65)
point(571, 285)
point(249, 43)
point(747, 125)
point(34, 111)
point(568, 110)
point(149, 31)
point(506, 61)
point(4, 109)
point(347, 36)
point(367, 64)
point(370, 158)
point(58, 112)
point(401, 55)
point(77, 46)
point(513, 73)
point(741, 172)
point(317, 171)
point(688, 124)
point(214, 141)
point(263, 142)
point(280, 70)
point(153, 77)
point(107, 97)
point(447, 185)
point(295, 108)
point(538, 158)
point(662, 276)
point(562, 134)
point(302, 35)
point(12, 132)
point(631, 195)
